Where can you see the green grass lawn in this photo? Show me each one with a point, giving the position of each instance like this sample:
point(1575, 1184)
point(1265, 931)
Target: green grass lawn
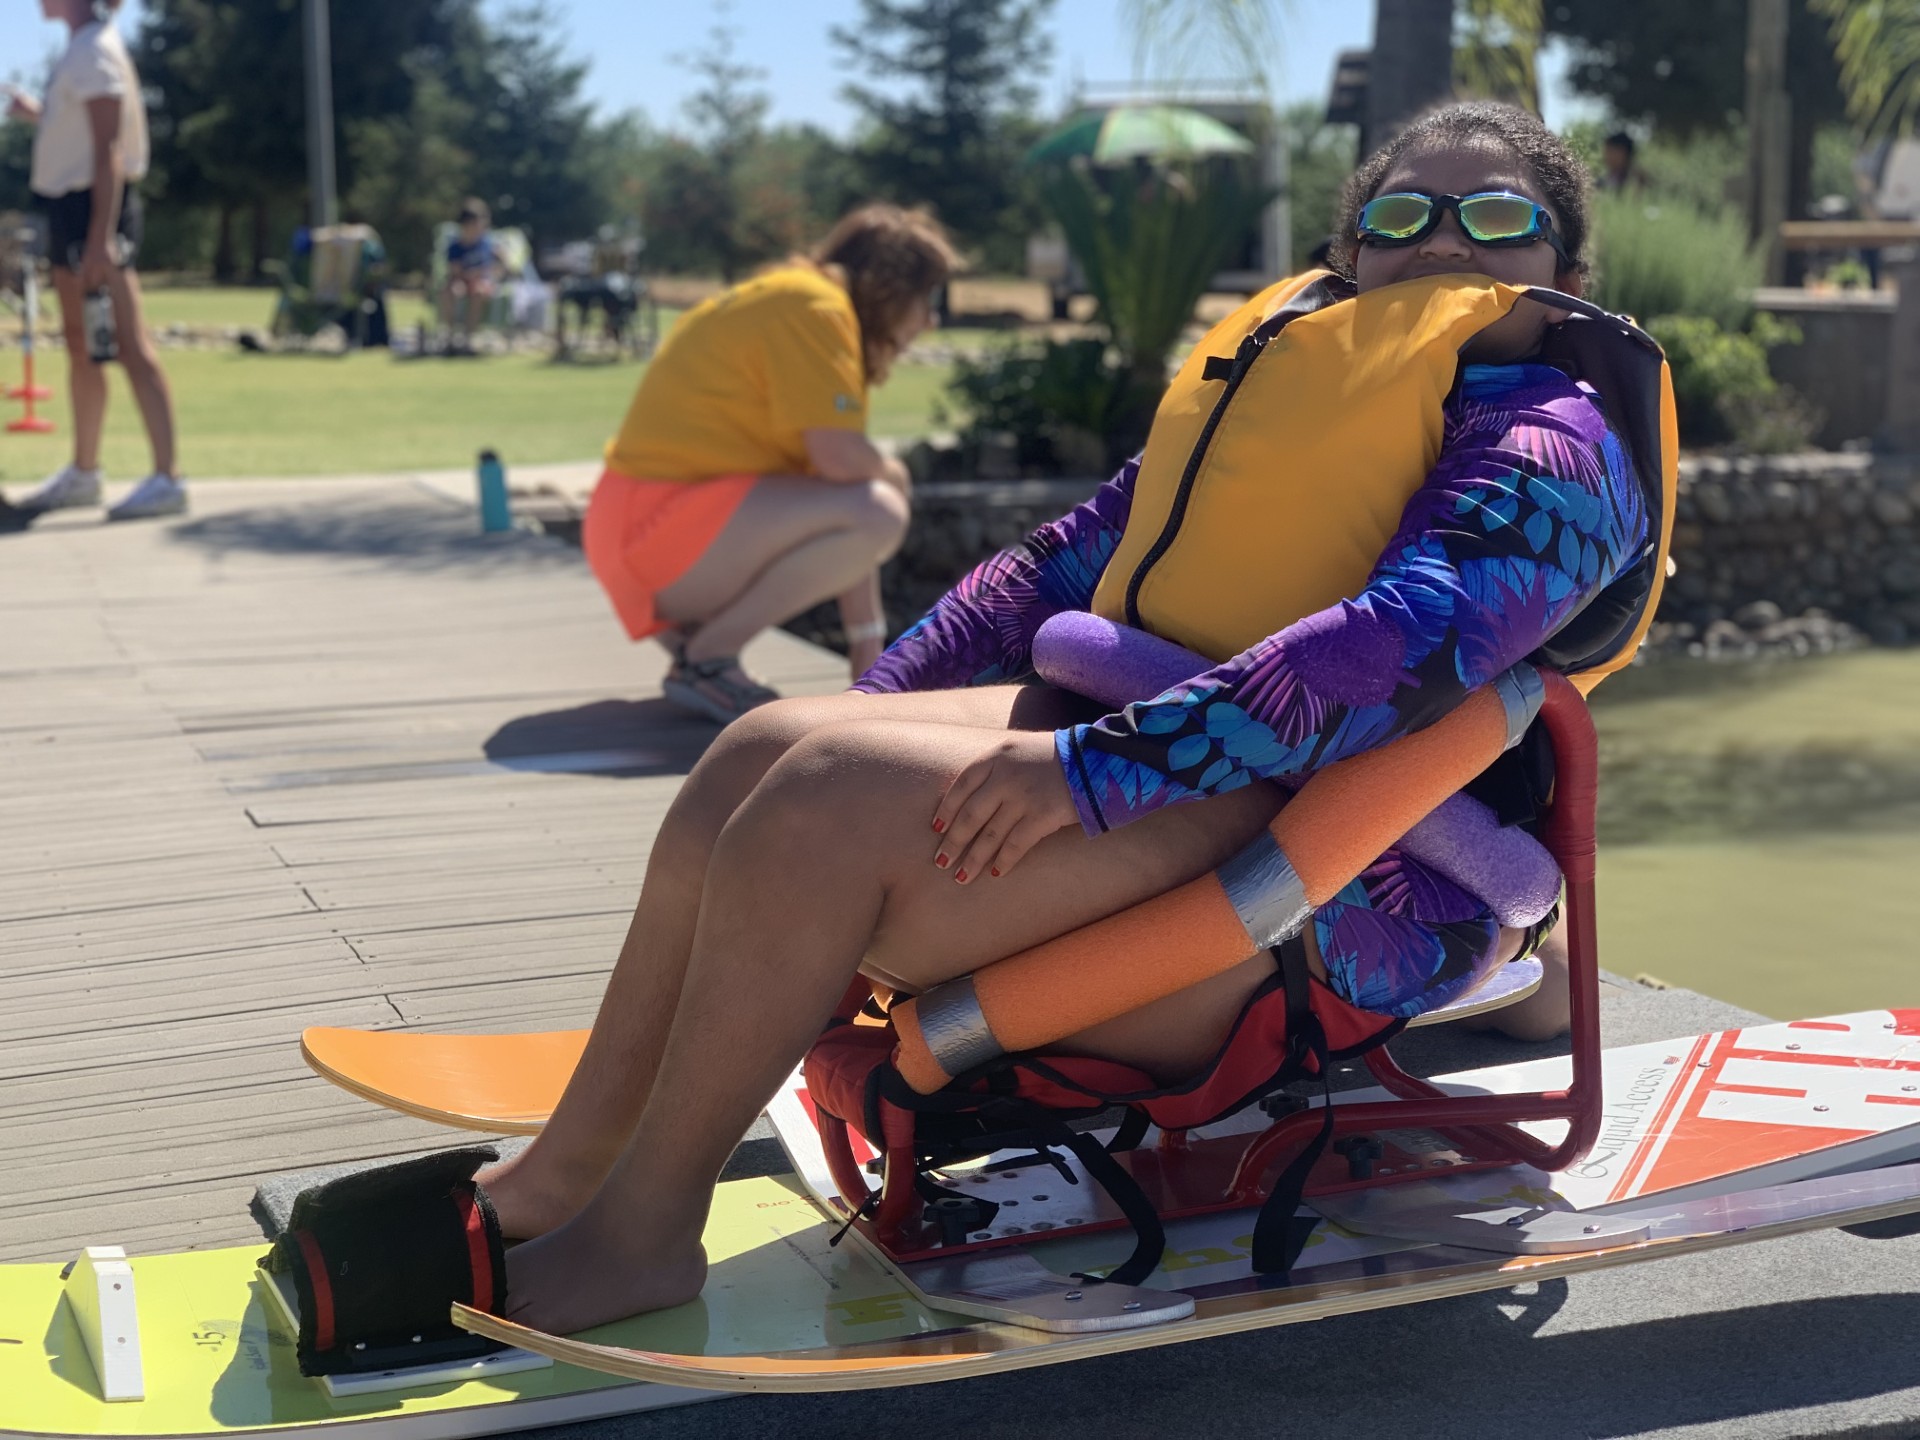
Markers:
point(260, 415)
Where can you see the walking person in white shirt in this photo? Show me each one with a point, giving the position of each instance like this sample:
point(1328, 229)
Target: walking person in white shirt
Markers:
point(90, 152)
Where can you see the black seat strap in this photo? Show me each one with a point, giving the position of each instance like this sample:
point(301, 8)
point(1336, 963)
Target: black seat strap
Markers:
point(1281, 1232)
point(1132, 1130)
point(1150, 1237)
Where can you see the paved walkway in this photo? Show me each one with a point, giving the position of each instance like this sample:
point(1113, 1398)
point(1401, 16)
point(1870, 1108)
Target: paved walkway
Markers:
point(322, 755)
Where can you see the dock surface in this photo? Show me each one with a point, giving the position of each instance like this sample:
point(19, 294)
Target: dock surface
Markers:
point(321, 754)
point(318, 754)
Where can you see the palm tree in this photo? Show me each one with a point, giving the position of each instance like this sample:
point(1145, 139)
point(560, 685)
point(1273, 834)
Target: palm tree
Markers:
point(1877, 43)
point(1423, 51)
point(1496, 45)
point(1186, 39)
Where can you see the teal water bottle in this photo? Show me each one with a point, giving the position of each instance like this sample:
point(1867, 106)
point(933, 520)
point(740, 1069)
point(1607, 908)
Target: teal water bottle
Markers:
point(496, 512)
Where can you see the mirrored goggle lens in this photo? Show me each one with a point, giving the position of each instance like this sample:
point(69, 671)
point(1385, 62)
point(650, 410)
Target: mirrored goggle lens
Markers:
point(1395, 217)
point(1499, 217)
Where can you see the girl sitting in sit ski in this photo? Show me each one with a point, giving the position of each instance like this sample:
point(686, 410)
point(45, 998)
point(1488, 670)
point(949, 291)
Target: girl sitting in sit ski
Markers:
point(942, 816)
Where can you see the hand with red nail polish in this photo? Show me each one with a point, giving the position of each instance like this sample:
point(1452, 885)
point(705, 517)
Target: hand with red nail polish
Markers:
point(1001, 806)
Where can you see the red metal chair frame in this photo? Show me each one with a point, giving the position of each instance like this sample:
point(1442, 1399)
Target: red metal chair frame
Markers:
point(1488, 1123)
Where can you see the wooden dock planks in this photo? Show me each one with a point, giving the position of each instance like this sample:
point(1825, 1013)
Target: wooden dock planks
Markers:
point(317, 754)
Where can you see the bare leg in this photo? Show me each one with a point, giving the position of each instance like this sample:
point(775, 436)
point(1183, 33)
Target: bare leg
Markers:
point(843, 814)
point(792, 543)
point(86, 381)
point(142, 364)
point(860, 609)
point(548, 1182)
point(1547, 1012)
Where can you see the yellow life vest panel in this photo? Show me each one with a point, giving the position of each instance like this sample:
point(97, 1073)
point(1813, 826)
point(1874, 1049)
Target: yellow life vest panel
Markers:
point(1273, 480)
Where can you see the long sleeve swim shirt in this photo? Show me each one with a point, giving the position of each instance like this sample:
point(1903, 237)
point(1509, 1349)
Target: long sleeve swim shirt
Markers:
point(1532, 509)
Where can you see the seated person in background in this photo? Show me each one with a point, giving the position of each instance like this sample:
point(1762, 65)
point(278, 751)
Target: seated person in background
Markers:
point(1618, 172)
point(742, 488)
point(473, 275)
point(943, 815)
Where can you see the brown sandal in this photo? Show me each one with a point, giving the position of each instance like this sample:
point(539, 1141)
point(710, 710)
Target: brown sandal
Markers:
point(718, 688)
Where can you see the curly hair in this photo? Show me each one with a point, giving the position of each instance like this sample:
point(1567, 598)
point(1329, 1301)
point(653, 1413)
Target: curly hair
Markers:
point(1563, 179)
point(887, 257)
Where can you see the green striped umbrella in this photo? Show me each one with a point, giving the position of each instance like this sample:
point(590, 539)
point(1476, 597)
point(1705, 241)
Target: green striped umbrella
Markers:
point(1130, 132)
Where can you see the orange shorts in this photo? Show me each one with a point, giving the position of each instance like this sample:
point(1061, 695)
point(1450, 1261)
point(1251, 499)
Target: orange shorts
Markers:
point(642, 535)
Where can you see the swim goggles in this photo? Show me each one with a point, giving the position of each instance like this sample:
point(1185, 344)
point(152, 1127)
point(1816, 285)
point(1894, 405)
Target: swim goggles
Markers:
point(1489, 217)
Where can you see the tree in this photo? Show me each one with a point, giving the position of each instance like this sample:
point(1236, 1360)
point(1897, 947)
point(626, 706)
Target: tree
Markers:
point(431, 102)
point(229, 128)
point(1682, 69)
point(952, 129)
point(1182, 39)
point(1496, 46)
point(529, 128)
point(1319, 159)
point(409, 170)
point(1877, 47)
point(727, 112)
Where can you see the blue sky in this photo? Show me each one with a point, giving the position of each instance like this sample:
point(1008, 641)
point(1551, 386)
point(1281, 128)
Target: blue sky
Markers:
point(632, 47)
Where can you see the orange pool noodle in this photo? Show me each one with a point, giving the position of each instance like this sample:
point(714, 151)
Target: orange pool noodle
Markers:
point(1348, 814)
point(1339, 823)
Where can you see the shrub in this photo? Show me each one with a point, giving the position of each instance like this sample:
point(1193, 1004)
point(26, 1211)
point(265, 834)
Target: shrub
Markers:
point(1062, 401)
point(1662, 258)
point(1722, 388)
point(1319, 159)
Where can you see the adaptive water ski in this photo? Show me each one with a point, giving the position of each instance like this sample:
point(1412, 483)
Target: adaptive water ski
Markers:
point(1719, 1139)
point(1360, 1273)
point(509, 1084)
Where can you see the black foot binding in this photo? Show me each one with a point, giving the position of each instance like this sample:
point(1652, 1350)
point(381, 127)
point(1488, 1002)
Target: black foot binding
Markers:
point(378, 1258)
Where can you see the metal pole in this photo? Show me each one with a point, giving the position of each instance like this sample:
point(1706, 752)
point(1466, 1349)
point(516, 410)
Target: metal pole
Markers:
point(1769, 129)
point(319, 66)
point(1276, 223)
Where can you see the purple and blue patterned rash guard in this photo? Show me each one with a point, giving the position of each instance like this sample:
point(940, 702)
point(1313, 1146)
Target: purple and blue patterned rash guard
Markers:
point(1532, 509)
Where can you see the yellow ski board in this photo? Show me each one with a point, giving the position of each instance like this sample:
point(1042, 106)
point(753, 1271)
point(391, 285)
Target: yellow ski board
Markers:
point(219, 1356)
point(1338, 1288)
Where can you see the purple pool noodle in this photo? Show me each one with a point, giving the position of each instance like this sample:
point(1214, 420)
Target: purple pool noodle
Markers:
point(1114, 664)
point(1461, 840)
point(1500, 864)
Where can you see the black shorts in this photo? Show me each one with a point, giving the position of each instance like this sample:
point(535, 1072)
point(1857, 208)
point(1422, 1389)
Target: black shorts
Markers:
point(68, 217)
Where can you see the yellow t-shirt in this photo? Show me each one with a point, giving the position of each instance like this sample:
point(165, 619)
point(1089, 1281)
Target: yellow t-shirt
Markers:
point(740, 380)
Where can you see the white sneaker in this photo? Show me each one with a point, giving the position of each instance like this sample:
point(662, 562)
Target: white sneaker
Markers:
point(153, 497)
point(65, 489)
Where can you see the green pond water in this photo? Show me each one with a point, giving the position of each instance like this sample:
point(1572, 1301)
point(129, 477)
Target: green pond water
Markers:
point(1760, 830)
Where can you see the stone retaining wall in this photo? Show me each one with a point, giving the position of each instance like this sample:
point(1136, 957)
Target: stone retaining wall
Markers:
point(1821, 532)
point(1779, 550)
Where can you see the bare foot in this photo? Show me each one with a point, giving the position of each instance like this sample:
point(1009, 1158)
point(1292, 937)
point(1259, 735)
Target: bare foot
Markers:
point(533, 1194)
point(588, 1272)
